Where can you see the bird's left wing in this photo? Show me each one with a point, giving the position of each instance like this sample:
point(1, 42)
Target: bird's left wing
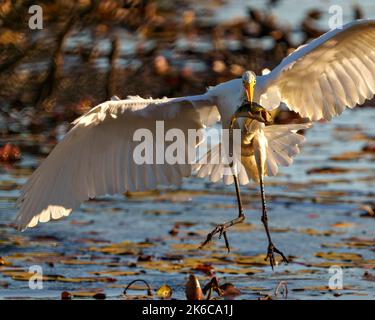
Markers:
point(96, 157)
point(283, 145)
point(320, 79)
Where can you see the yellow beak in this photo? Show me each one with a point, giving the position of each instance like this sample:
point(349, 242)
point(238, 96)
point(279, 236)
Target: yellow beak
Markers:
point(249, 88)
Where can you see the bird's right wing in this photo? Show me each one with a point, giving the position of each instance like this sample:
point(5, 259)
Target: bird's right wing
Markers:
point(96, 156)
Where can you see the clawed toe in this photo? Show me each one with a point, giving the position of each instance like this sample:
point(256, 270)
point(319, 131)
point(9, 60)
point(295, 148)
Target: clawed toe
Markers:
point(271, 255)
point(221, 230)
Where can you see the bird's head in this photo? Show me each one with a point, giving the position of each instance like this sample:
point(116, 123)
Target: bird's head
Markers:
point(254, 111)
point(249, 81)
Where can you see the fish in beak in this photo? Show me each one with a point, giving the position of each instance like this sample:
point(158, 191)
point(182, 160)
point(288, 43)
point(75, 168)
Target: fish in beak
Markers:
point(254, 111)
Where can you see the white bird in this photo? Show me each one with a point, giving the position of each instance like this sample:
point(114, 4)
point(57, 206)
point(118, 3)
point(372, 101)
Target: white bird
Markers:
point(318, 80)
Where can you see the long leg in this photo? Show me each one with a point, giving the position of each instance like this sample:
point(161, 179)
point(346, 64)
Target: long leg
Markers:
point(271, 248)
point(221, 229)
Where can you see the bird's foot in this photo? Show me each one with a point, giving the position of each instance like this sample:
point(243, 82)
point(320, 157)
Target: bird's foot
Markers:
point(271, 255)
point(220, 229)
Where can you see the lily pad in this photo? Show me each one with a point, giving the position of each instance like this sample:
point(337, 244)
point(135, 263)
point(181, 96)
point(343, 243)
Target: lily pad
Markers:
point(339, 256)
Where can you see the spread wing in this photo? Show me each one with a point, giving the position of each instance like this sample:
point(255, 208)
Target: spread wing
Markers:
point(320, 79)
point(96, 155)
point(283, 145)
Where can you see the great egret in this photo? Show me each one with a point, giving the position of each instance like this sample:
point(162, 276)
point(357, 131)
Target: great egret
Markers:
point(318, 80)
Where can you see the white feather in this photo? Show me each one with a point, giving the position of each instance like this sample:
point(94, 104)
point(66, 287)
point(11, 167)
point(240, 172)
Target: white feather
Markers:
point(96, 156)
point(344, 58)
